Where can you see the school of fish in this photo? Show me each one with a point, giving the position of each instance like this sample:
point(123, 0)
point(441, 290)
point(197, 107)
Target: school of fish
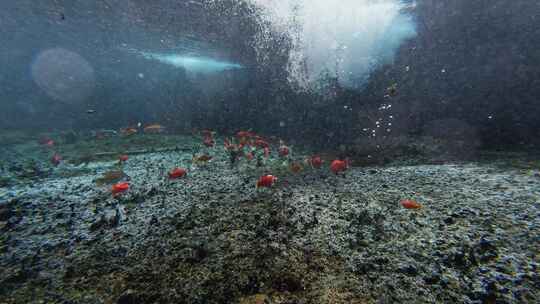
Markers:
point(244, 145)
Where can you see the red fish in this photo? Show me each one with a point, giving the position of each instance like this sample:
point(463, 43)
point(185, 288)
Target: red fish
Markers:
point(177, 173)
point(207, 133)
point(122, 158)
point(56, 159)
point(339, 166)
point(227, 144)
point(45, 141)
point(283, 151)
point(119, 188)
point(261, 143)
point(244, 137)
point(410, 204)
point(209, 142)
point(241, 134)
point(266, 181)
point(315, 162)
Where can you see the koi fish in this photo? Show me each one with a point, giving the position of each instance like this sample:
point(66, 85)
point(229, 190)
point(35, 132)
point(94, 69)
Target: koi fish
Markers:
point(123, 158)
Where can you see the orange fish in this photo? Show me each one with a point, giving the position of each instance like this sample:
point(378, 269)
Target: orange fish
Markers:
point(154, 129)
point(119, 188)
point(122, 158)
point(202, 159)
point(339, 166)
point(177, 173)
point(128, 131)
point(266, 181)
point(410, 204)
point(296, 167)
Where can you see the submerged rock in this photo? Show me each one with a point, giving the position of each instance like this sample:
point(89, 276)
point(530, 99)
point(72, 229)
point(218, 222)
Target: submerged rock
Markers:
point(110, 219)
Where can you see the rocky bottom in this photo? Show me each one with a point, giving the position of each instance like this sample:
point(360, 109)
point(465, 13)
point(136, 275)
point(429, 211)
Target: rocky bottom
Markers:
point(315, 238)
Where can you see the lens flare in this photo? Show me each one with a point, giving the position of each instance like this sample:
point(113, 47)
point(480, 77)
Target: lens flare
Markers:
point(192, 64)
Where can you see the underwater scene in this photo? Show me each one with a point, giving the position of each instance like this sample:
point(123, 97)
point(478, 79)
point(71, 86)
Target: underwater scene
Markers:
point(269, 151)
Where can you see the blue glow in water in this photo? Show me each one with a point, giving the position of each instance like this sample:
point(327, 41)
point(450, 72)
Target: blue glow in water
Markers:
point(192, 63)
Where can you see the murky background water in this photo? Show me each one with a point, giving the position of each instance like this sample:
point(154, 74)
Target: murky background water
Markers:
point(269, 151)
